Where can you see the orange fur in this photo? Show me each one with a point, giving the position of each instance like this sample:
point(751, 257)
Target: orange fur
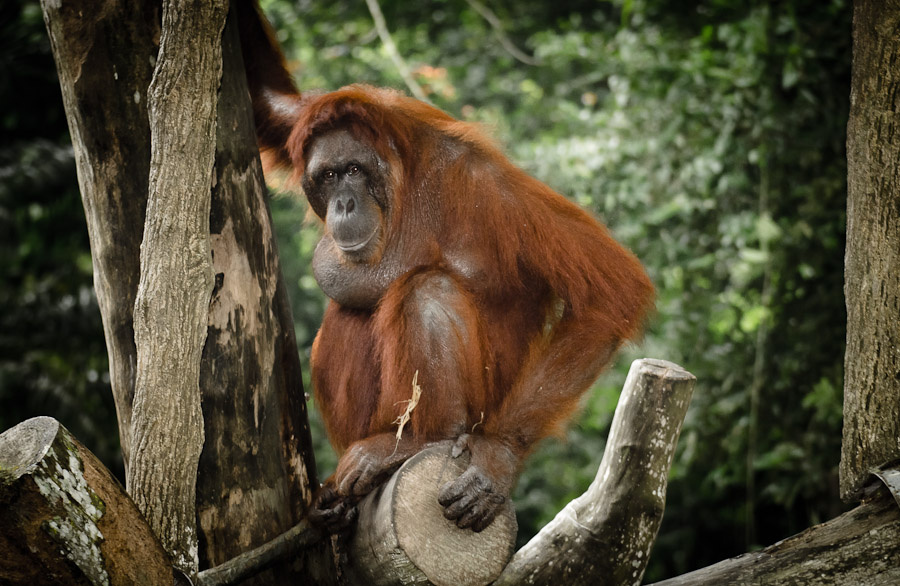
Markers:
point(528, 247)
point(516, 298)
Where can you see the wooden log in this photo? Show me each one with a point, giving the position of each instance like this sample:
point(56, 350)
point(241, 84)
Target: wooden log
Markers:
point(64, 519)
point(605, 535)
point(861, 546)
point(402, 536)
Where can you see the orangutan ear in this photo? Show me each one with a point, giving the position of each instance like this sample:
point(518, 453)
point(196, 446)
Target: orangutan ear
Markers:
point(275, 114)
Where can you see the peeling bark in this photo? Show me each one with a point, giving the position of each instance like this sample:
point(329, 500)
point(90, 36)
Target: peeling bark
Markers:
point(253, 407)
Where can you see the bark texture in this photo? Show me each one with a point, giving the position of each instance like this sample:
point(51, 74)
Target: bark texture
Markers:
point(170, 312)
point(257, 467)
point(105, 57)
point(253, 402)
point(64, 519)
point(605, 535)
point(872, 263)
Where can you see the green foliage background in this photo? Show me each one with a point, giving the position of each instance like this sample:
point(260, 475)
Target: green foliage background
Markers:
point(708, 135)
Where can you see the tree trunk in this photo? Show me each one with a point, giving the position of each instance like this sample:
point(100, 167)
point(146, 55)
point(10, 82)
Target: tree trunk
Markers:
point(257, 462)
point(170, 311)
point(64, 519)
point(257, 467)
point(872, 264)
point(605, 535)
point(105, 60)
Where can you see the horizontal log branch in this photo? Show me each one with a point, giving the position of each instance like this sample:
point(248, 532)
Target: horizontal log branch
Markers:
point(861, 546)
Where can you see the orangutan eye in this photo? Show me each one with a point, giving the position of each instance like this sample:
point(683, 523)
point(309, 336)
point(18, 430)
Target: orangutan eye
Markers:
point(329, 175)
point(352, 169)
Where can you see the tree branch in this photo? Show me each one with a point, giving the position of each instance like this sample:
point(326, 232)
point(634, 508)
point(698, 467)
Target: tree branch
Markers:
point(859, 547)
point(391, 48)
point(605, 535)
point(495, 23)
point(256, 560)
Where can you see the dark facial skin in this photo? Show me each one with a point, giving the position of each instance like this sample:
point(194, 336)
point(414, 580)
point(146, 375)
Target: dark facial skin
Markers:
point(343, 184)
point(347, 186)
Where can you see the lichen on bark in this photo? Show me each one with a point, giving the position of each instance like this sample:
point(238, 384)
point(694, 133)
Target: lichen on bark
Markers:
point(60, 479)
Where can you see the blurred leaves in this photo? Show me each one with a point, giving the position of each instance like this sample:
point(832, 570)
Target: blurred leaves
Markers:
point(709, 137)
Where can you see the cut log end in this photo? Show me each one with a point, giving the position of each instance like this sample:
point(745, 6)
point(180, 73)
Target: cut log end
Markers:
point(24, 446)
point(403, 538)
point(663, 369)
point(64, 519)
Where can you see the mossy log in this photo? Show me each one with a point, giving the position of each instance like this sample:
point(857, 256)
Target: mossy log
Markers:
point(64, 518)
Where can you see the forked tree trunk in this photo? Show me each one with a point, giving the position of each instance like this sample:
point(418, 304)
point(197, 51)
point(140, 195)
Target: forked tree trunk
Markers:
point(256, 467)
point(605, 535)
